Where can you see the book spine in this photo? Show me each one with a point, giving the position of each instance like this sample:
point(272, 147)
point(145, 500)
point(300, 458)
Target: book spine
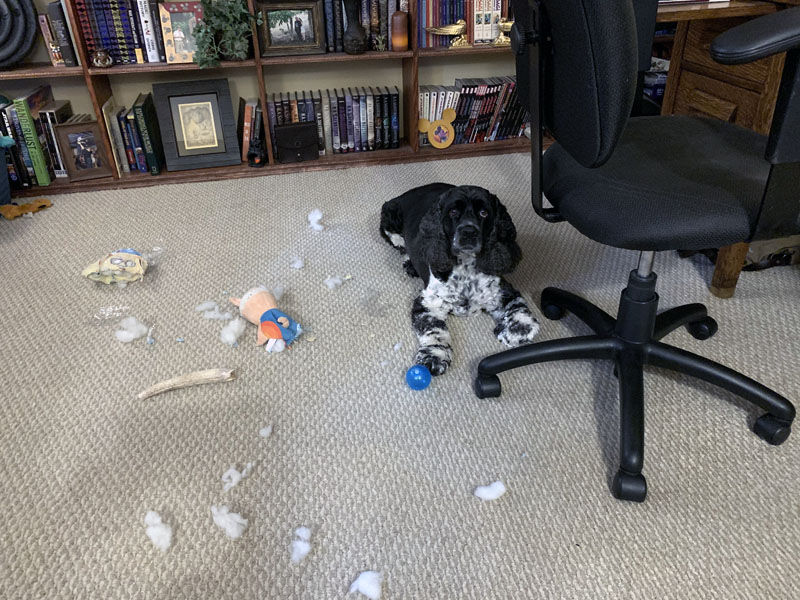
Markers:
point(61, 33)
point(365, 19)
point(363, 122)
point(395, 120)
point(147, 142)
point(370, 120)
point(335, 135)
point(102, 21)
point(343, 140)
point(122, 123)
point(111, 17)
point(136, 36)
point(330, 38)
point(326, 123)
point(136, 142)
point(117, 144)
point(351, 142)
point(31, 138)
point(272, 115)
point(386, 115)
point(279, 118)
point(49, 123)
point(496, 10)
point(155, 19)
point(338, 25)
point(383, 7)
point(130, 32)
point(377, 110)
point(320, 126)
point(53, 49)
point(357, 122)
point(420, 112)
point(82, 8)
point(247, 122)
point(17, 171)
point(374, 23)
point(148, 30)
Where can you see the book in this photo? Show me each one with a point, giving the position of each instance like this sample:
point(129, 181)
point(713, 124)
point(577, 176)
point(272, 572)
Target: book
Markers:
point(302, 114)
point(110, 110)
point(131, 31)
point(159, 34)
point(310, 110)
point(338, 26)
point(342, 106)
point(272, 116)
point(147, 122)
point(377, 109)
point(16, 130)
point(317, 104)
point(17, 171)
point(279, 118)
point(136, 142)
point(370, 119)
point(112, 34)
point(287, 108)
point(31, 131)
point(293, 105)
point(124, 130)
point(248, 113)
point(394, 125)
point(348, 101)
point(329, 19)
point(61, 34)
point(386, 115)
point(374, 23)
point(356, 117)
point(148, 31)
point(51, 115)
point(53, 49)
point(363, 120)
point(326, 122)
point(335, 135)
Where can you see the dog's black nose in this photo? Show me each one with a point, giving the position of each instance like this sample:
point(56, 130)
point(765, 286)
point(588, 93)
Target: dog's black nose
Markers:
point(467, 238)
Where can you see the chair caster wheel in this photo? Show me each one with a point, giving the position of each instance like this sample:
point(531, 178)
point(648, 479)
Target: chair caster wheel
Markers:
point(627, 486)
point(702, 329)
point(552, 312)
point(771, 429)
point(487, 386)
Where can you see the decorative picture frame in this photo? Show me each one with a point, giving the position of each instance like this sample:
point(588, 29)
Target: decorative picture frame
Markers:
point(82, 149)
point(291, 28)
point(197, 124)
point(178, 20)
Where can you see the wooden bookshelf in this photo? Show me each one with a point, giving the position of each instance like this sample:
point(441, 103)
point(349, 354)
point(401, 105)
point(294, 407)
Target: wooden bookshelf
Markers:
point(99, 86)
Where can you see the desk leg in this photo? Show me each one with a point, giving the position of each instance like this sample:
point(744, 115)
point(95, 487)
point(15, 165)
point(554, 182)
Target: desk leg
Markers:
point(730, 261)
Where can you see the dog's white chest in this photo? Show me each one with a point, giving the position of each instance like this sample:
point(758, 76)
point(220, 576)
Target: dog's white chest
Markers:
point(467, 291)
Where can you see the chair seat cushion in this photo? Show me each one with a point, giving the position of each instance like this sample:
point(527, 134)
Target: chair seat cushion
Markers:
point(672, 183)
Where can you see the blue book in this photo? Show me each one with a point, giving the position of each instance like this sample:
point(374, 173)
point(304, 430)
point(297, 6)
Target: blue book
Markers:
point(136, 142)
point(329, 25)
point(126, 139)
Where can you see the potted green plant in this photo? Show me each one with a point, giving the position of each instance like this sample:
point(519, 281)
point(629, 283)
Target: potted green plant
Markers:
point(225, 33)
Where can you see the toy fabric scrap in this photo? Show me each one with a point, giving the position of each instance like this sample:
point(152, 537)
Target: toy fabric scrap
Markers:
point(159, 532)
point(233, 524)
point(301, 545)
point(368, 583)
point(233, 476)
point(123, 266)
point(12, 211)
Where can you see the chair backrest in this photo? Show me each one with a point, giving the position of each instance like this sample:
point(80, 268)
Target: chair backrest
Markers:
point(590, 71)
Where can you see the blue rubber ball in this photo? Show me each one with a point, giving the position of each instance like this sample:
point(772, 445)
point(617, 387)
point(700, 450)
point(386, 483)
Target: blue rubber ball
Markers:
point(418, 377)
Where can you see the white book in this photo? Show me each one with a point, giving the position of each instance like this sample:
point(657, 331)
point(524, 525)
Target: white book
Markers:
point(370, 119)
point(336, 136)
point(110, 110)
point(448, 99)
point(326, 122)
point(487, 21)
point(440, 102)
point(432, 110)
point(496, 9)
point(364, 132)
point(478, 33)
point(148, 31)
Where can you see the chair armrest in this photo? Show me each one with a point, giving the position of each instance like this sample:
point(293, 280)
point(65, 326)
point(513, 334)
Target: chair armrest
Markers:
point(758, 38)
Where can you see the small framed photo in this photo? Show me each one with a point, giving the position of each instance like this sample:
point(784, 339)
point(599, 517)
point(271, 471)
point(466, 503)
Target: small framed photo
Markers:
point(178, 20)
point(198, 128)
point(291, 28)
point(81, 146)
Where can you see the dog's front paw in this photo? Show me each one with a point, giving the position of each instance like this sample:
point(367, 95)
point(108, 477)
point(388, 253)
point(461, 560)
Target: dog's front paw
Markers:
point(517, 329)
point(435, 358)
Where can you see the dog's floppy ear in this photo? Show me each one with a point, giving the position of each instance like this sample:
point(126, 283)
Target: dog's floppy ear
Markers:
point(433, 241)
point(501, 252)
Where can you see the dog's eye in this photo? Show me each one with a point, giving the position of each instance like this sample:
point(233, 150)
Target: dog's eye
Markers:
point(453, 212)
point(483, 213)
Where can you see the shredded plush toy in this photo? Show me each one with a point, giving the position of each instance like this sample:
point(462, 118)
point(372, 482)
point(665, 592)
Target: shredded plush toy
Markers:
point(276, 329)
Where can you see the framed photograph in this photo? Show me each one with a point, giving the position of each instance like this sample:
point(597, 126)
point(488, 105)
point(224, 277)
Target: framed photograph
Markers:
point(197, 124)
point(291, 28)
point(178, 20)
point(81, 146)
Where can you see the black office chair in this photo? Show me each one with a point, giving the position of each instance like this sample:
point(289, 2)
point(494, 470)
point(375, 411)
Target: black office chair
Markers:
point(648, 184)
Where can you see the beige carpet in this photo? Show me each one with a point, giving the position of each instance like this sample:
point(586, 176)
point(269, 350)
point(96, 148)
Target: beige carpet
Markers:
point(382, 475)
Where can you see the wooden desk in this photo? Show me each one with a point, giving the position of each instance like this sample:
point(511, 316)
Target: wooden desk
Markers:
point(741, 94)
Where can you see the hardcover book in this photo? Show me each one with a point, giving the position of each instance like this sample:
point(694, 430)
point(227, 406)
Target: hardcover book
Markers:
point(356, 116)
point(348, 101)
point(146, 120)
point(61, 33)
point(363, 120)
point(31, 131)
point(110, 110)
point(317, 103)
point(335, 135)
point(326, 122)
point(136, 142)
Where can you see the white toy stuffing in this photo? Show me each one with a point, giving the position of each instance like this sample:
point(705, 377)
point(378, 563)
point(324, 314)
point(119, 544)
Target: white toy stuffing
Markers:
point(301, 546)
point(297, 262)
point(265, 432)
point(131, 329)
point(232, 331)
point(490, 492)
point(233, 476)
point(210, 310)
point(397, 346)
point(314, 218)
point(233, 524)
point(278, 291)
point(368, 583)
point(159, 532)
point(333, 282)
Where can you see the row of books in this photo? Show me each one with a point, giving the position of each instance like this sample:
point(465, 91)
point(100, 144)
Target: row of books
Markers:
point(482, 19)
point(35, 158)
point(374, 16)
point(135, 135)
point(131, 29)
point(486, 109)
point(357, 119)
point(59, 38)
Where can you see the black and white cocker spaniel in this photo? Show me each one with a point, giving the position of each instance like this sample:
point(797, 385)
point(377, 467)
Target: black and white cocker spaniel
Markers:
point(459, 240)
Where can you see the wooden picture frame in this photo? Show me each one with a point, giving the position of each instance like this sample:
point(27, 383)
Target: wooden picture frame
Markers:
point(178, 20)
point(291, 28)
point(197, 124)
point(81, 146)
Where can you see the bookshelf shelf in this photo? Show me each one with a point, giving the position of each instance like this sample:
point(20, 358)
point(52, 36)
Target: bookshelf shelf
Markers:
point(163, 67)
point(39, 71)
point(334, 57)
point(441, 52)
